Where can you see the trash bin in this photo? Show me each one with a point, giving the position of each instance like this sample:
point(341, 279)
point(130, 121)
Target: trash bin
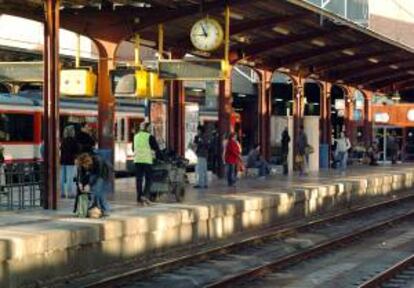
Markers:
point(107, 155)
point(324, 156)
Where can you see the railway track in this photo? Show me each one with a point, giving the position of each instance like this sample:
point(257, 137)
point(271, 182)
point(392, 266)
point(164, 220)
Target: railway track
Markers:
point(220, 267)
point(399, 275)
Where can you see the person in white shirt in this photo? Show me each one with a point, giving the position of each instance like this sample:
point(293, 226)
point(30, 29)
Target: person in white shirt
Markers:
point(342, 146)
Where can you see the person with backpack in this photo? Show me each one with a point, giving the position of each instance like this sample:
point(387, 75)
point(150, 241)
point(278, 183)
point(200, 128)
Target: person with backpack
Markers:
point(99, 173)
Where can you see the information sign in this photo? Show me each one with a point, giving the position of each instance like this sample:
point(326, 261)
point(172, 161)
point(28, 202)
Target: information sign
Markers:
point(192, 69)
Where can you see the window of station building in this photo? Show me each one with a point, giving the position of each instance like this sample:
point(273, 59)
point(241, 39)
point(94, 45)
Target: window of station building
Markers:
point(16, 127)
point(282, 97)
point(312, 97)
point(122, 129)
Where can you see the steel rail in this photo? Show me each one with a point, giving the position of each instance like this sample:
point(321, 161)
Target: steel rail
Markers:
point(388, 274)
point(274, 232)
point(295, 258)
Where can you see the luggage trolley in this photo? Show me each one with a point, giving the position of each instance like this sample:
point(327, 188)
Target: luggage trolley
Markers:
point(169, 178)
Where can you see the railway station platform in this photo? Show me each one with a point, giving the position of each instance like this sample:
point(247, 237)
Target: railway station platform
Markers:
point(38, 245)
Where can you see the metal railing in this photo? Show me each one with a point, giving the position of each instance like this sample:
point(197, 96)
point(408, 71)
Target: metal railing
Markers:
point(21, 185)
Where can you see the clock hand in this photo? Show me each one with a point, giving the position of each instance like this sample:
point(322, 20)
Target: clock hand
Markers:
point(204, 30)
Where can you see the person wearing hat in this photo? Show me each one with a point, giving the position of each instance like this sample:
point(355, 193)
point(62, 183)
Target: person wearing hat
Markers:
point(144, 147)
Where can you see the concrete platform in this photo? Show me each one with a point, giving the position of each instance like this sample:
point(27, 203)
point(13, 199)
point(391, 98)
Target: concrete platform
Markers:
point(39, 245)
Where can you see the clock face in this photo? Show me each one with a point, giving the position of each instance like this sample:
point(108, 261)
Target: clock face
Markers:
point(207, 34)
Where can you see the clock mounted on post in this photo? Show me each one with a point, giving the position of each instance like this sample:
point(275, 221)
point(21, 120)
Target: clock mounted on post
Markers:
point(207, 34)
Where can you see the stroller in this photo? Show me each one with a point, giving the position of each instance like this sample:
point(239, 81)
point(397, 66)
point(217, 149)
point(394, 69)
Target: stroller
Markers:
point(169, 177)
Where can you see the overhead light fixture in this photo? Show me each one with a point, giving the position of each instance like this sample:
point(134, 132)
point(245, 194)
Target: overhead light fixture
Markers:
point(242, 95)
point(281, 30)
point(278, 100)
point(411, 72)
point(348, 52)
point(283, 69)
point(241, 38)
point(197, 90)
point(395, 67)
point(234, 15)
point(373, 60)
point(396, 96)
point(340, 81)
point(318, 43)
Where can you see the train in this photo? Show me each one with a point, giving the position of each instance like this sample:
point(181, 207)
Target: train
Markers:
point(21, 125)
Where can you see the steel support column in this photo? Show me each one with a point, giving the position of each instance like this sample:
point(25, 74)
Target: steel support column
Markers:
point(298, 109)
point(225, 110)
point(325, 113)
point(176, 117)
point(368, 120)
point(349, 111)
point(265, 106)
point(51, 103)
point(106, 99)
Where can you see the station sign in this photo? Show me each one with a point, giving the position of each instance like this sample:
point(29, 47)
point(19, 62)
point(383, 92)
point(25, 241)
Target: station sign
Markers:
point(21, 71)
point(192, 69)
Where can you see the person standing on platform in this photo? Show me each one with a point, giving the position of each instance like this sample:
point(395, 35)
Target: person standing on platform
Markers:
point(201, 146)
point(144, 146)
point(99, 173)
point(393, 147)
point(68, 153)
point(285, 150)
point(214, 151)
point(231, 158)
point(343, 145)
point(302, 144)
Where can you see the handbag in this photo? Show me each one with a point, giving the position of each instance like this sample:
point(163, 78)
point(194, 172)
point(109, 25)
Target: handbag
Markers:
point(309, 149)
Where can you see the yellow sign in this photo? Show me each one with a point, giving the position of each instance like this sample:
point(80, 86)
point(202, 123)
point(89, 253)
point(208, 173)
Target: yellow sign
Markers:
point(148, 85)
point(77, 82)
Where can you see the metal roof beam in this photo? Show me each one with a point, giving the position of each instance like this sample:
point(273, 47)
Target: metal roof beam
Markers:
point(373, 76)
point(364, 68)
point(391, 78)
point(392, 82)
point(263, 46)
point(260, 23)
point(327, 65)
point(297, 57)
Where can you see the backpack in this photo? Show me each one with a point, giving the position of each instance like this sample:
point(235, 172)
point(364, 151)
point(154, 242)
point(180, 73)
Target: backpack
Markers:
point(82, 205)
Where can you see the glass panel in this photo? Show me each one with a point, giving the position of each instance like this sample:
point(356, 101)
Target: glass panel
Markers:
point(16, 127)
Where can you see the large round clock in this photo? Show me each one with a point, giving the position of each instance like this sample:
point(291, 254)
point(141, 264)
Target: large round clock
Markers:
point(207, 34)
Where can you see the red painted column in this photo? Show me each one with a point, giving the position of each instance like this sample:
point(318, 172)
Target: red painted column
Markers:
point(106, 100)
point(176, 117)
point(298, 109)
point(349, 111)
point(51, 103)
point(368, 118)
point(325, 112)
point(265, 106)
point(225, 110)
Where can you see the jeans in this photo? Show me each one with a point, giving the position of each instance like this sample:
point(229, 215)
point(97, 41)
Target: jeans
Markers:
point(143, 170)
point(67, 186)
point(231, 174)
point(99, 190)
point(343, 158)
point(263, 168)
point(201, 171)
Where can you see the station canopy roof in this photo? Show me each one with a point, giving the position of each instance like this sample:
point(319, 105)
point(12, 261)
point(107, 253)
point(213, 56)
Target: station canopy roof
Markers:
point(289, 35)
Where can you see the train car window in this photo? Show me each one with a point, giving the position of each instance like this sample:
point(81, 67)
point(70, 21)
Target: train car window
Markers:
point(122, 129)
point(16, 127)
point(116, 131)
